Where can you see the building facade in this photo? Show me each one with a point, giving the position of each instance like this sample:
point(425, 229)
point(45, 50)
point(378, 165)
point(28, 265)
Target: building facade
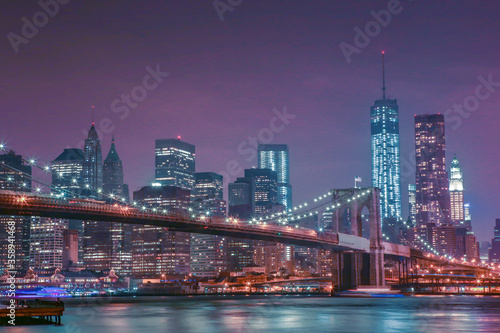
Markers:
point(412, 200)
point(208, 254)
point(47, 242)
point(175, 163)
point(67, 171)
point(92, 163)
point(386, 174)
point(457, 209)
point(432, 194)
point(120, 234)
point(112, 175)
point(157, 250)
point(494, 252)
point(276, 158)
point(14, 176)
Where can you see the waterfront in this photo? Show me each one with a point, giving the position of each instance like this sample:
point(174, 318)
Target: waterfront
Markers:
point(277, 314)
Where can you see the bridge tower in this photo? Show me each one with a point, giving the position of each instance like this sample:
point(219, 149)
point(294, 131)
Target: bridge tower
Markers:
point(354, 269)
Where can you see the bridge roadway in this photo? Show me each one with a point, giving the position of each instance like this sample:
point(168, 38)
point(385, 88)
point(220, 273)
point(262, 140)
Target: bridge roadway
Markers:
point(29, 204)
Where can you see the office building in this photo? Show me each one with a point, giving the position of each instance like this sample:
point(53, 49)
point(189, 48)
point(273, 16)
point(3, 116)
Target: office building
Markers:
point(120, 234)
point(412, 199)
point(467, 245)
point(208, 252)
point(432, 194)
point(258, 189)
point(67, 171)
point(385, 158)
point(157, 250)
point(92, 163)
point(47, 242)
point(70, 249)
point(494, 252)
point(276, 158)
point(112, 180)
point(14, 176)
point(457, 209)
point(175, 163)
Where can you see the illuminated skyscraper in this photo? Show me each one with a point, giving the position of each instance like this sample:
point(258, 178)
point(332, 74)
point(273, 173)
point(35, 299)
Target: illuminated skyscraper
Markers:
point(208, 252)
point(97, 245)
point(259, 190)
point(14, 174)
point(67, 171)
point(275, 157)
point(175, 163)
point(121, 234)
point(157, 250)
point(385, 153)
point(92, 162)
point(47, 242)
point(432, 196)
point(13, 180)
point(457, 212)
point(412, 199)
point(494, 252)
point(112, 180)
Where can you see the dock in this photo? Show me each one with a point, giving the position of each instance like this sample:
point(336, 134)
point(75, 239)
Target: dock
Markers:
point(33, 313)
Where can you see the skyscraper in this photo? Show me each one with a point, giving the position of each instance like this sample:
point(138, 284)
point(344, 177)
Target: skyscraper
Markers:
point(14, 176)
point(175, 163)
point(412, 200)
point(92, 162)
point(208, 252)
point(457, 212)
point(432, 196)
point(67, 170)
point(112, 178)
point(385, 153)
point(67, 173)
point(276, 158)
point(494, 252)
point(47, 242)
point(157, 250)
point(121, 234)
point(264, 190)
point(96, 235)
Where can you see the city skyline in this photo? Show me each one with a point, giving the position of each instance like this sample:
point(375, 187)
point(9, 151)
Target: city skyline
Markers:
point(215, 151)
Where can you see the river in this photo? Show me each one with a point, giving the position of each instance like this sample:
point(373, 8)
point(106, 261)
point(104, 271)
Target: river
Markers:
point(276, 314)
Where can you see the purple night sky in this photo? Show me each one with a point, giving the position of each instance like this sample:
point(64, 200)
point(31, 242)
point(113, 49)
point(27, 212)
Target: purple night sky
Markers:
point(227, 76)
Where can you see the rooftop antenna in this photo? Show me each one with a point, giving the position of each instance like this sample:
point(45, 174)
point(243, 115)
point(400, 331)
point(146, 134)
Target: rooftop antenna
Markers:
point(92, 115)
point(383, 75)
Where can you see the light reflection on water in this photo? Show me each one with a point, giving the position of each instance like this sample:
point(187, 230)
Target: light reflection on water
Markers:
point(278, 314)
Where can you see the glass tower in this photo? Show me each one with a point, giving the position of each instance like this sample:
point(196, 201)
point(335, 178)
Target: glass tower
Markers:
point(13, 180)
point(385, 153)
point(275, 157)
point(175, 163)
point(432, 199)
point(112, 180)
point(208, 252)
point(412, 200)
point(457, 212)
point(67, 171)
point(92, 162)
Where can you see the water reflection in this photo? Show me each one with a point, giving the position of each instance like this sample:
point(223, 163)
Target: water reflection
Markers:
point(280, 314)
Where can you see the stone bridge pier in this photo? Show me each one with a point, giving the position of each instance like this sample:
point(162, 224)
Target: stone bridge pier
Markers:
point(353, 269)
